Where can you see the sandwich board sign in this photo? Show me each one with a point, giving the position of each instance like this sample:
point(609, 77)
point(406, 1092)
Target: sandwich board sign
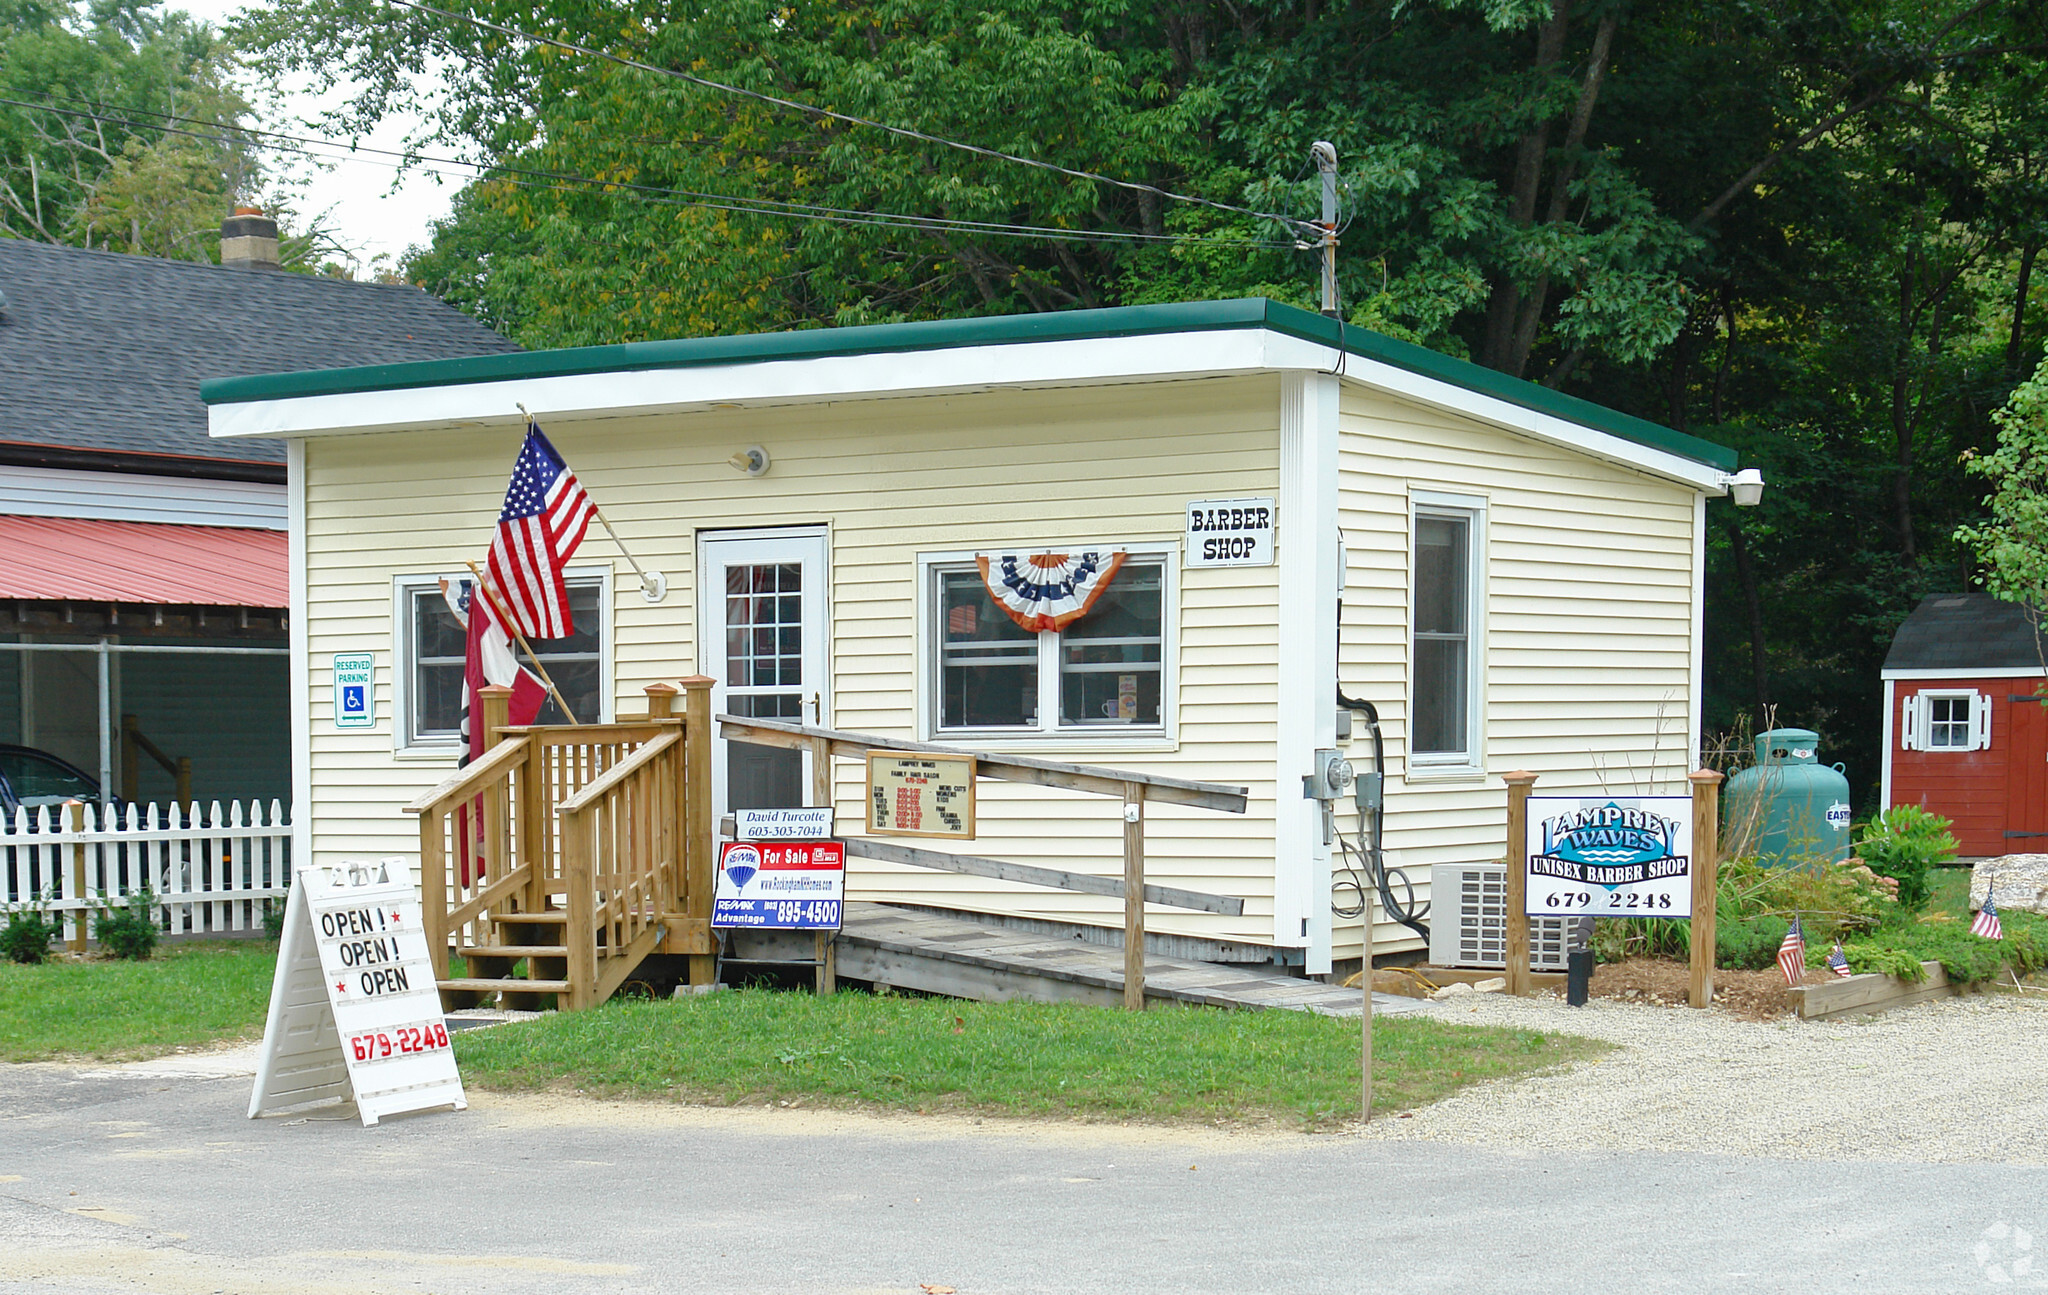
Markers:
point(1610, 856)
point(354, 1010)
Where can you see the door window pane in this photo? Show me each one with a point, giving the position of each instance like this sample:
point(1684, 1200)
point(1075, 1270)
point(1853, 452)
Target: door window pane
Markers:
point(988, 667)
point(1110, 659)
point(764, 625)
point(1441, 723)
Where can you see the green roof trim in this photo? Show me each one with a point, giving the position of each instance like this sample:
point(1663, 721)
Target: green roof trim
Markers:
point(1000, 330)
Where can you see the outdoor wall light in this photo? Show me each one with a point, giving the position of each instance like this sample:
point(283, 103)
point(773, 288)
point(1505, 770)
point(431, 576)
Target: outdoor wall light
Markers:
point(753, 461)
point(1746, 487)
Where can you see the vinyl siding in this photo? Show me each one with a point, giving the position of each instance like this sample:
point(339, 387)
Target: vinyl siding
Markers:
point(1975, 789)
point(1587, 636)
point(890, 479)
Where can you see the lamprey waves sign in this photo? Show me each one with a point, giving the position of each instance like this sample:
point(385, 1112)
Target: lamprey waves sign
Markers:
point(354, 1009)
point(1610, 856)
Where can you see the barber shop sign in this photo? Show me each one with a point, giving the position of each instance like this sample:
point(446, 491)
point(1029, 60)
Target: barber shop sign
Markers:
point(1610, 856)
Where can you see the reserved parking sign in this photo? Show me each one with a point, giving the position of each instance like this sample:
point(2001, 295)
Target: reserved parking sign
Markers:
point(355, 690)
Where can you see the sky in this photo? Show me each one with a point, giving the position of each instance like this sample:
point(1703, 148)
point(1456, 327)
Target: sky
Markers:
point(364, 210)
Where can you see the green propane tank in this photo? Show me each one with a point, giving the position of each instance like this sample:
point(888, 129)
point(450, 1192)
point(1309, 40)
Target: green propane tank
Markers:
point(1789, 805)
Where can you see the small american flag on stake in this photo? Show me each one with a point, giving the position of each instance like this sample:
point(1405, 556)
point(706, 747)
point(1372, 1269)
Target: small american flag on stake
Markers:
point(1838, 962)
point(546, 514)
point(1792, 953)
point(1987, 924)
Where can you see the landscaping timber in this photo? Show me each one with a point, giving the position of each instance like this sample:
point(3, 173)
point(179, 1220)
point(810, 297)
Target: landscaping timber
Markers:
point(1872, 992)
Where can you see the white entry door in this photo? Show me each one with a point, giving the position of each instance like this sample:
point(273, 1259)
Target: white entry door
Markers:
point(764, 638)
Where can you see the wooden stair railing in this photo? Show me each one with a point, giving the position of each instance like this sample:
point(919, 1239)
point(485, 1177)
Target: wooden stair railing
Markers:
point(570, 852)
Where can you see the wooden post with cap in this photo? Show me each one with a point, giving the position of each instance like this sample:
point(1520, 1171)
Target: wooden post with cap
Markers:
point(699, 853)
point(1519, 782)
point(1706, 877)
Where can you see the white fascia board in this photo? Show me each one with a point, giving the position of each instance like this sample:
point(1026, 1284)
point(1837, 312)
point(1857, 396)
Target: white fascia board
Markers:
point(1289, 352)
point(2026, 672)
point(1078, 362)
point(766, 382)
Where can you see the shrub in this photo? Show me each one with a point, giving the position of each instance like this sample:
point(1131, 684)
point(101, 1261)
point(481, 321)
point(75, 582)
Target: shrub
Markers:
point(1904, 843)
point(130, 930)
point(1899, 949)
point(27, 935)
point(1748, 943)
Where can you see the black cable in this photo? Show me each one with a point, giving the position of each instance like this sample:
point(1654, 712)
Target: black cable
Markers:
point(570, 182)
point(904, 132)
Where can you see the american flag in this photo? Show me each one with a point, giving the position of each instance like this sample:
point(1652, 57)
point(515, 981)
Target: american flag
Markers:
point(546, 514)
point(1987, 924)
point(1792, 954)
point(1838, 962)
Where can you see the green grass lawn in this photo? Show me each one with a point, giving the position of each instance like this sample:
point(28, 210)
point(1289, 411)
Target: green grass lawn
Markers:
point(189, 995)
point(858, 1050)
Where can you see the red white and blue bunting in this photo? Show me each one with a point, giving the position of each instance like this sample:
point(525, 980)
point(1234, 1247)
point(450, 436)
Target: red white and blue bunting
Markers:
point(1047, 591)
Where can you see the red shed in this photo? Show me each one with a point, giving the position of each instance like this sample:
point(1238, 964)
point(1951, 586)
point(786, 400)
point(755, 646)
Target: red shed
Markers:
point(1966, 721)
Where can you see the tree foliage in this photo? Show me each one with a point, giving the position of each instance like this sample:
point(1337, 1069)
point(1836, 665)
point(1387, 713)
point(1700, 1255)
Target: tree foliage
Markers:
point(1806, 228)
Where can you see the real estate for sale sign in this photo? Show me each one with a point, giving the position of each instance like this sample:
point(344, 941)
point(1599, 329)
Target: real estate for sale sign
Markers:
point(1610, 856)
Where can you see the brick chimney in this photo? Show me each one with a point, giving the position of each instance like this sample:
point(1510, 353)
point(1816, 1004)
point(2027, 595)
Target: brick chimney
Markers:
point(248, 240)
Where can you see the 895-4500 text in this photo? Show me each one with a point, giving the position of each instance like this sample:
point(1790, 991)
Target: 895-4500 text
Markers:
point(1617, 901)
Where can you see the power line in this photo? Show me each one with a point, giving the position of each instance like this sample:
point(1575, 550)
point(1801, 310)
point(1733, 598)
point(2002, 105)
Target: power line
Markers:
point(570, 182)
point(904, 132)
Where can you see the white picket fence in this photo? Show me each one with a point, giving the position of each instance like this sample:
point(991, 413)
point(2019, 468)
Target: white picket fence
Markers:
point(209, 873)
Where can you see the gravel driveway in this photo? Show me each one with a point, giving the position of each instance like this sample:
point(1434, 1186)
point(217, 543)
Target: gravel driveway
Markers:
point(1958, 1080)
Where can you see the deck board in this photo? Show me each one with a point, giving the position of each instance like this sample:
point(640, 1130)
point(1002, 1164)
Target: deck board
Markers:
point(922, 950)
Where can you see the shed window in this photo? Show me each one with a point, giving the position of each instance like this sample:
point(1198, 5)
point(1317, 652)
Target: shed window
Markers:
point(1946, 721)
point(431, 646)
point(1104, 672)
point(1445, 643)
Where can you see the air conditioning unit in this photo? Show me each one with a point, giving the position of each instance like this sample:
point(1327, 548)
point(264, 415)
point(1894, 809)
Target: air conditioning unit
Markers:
point(1468, 907)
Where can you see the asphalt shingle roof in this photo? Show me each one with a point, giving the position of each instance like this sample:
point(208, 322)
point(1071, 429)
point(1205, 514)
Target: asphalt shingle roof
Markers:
point(105, 351)
point(1965, 632)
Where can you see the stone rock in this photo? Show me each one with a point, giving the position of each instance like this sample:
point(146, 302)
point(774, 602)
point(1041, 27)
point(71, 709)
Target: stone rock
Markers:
point(1454, 989)
point(2021, 880)
point(1493, 986)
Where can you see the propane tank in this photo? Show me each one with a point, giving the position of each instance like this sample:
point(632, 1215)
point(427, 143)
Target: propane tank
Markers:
point(1789, 806)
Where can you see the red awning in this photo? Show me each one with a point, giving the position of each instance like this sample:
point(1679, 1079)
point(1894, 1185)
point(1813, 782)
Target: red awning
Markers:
point(142, 562)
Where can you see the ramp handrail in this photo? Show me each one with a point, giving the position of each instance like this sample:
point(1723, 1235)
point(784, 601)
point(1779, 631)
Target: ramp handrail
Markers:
point(1132, 787)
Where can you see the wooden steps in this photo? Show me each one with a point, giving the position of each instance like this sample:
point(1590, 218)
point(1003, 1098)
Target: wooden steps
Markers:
point(488, 985)
point(513, 951)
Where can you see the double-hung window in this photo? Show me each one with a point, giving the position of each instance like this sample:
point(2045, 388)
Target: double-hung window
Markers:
point(428, 701)
point(1104, 674)
point(1446, 645)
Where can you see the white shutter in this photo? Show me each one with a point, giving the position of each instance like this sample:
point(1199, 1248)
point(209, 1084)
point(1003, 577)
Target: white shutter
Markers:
point(1980, 722)
point(1911, 715)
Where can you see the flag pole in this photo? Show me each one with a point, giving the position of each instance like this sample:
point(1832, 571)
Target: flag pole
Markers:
point(484, 587)
point(652, 587)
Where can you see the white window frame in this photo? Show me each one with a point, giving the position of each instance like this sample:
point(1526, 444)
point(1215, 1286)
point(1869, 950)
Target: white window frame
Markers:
point(1049, 733)
point(440, 747)
point(1472, 510)
point(1917, 732)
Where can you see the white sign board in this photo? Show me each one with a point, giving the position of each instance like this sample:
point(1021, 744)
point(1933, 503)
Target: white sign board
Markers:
point(355, 690)
point(1231, 532)
point(371, 1024)
point(1610, 856)
point(782, 824)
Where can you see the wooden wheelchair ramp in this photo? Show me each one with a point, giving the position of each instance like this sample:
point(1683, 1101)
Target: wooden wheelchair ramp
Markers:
point(917, 949)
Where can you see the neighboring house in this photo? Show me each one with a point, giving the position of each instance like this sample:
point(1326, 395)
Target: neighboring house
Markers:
point(1519, 574)
point(1966, 721)
point(143, 565)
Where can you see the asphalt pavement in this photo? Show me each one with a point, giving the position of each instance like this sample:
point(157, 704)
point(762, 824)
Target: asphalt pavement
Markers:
point(151, 1179)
